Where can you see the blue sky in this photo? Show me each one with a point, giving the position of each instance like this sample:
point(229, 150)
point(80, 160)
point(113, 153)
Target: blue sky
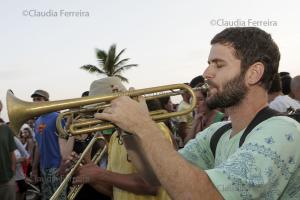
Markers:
point(168, 39)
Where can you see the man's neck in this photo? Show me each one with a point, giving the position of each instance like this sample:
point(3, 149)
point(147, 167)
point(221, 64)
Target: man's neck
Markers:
point(242, 114)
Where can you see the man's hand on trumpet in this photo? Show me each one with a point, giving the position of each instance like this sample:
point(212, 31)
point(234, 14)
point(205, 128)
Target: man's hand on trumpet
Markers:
point(127, 114)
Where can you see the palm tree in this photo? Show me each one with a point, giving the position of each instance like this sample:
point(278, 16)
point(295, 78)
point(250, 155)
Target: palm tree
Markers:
point(110, 64)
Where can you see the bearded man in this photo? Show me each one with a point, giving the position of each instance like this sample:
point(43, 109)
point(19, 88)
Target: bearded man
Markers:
point(263, 164)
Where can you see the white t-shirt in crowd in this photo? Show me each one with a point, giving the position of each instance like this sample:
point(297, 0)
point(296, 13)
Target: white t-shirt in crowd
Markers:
point(282, 102)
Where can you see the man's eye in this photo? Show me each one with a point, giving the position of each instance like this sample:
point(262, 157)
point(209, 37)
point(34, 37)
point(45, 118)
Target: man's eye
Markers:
point(220, 66)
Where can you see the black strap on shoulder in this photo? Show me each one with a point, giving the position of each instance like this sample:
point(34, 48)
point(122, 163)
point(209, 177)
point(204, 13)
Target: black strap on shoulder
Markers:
point(217, 135)
point(262, 115)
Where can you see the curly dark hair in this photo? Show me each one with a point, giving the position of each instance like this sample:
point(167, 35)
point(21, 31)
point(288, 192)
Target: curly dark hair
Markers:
point(252, 45)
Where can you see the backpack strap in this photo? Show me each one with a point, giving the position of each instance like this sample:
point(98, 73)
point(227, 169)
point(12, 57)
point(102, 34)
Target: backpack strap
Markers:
point(262, 115)
point(217, 135)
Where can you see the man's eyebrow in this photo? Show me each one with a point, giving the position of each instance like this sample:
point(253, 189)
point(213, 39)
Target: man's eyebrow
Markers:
point(216, 60)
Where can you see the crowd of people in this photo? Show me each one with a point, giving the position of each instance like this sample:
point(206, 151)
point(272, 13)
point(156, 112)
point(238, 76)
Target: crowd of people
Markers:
point(240, 142)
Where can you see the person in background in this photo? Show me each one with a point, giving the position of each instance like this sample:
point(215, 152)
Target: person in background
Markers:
point(22, 157)
point(85, 94)
point(184, 122)
point(285, 79)
point(295, 88)
point(7, 162)
point(47, 153)
point(30, 123)
point(171, 123)
point(29, 144)
point(277, 100)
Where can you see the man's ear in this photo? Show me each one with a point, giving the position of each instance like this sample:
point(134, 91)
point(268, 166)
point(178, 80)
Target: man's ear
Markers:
point(255, 73)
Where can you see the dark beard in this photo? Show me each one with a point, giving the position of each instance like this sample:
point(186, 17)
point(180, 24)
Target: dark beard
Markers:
point(234, 91)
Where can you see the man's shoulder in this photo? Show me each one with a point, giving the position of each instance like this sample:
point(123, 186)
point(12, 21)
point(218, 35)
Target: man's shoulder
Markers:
point(282, 129)
point(282, 121)
point(278, 124)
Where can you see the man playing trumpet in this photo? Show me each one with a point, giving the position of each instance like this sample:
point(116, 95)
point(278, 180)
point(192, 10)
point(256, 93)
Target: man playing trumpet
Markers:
point(241, 66)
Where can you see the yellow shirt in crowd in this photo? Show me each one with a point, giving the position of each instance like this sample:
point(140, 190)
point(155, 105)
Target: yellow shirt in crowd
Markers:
point(117, 162)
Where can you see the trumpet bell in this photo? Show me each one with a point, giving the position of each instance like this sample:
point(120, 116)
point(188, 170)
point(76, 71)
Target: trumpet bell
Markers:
point(18, 112)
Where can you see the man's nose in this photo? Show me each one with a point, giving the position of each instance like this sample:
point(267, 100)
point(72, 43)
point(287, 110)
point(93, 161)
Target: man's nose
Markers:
point(208, 72)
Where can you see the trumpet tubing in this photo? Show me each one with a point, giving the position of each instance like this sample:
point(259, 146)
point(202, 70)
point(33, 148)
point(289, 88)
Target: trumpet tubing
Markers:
point(96, 159)
point(93, 124)
point(68, 177)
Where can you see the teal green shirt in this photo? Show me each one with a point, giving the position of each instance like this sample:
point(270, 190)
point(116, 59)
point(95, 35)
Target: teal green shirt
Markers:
point(267, 166)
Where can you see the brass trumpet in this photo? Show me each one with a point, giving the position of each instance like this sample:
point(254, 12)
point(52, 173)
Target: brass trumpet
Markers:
point(92, 125)
point(20, 111)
